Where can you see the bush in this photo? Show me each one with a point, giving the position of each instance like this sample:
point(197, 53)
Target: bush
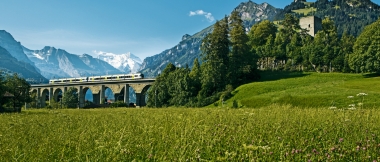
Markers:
point(118, 104)
point(235, 104)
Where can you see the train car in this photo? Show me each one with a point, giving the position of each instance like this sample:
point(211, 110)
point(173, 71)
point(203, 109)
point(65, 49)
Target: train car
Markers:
point(98, 78)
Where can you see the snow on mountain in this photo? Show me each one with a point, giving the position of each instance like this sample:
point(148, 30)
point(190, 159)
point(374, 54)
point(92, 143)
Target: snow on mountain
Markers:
point(57, 63)
point(41, 60)
point(127, 62)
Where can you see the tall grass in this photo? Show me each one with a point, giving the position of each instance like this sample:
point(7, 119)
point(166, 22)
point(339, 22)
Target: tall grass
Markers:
point(274, 133)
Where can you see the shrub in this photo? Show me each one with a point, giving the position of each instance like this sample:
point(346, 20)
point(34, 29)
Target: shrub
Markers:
point(118, 104)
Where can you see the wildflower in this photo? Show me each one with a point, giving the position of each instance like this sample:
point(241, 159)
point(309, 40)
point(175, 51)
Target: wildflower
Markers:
point(332, 107)
point(340, 139)
point(352, 108)
point(360, 104)
point(362, 94)
point(351, 105)
point(350, 97)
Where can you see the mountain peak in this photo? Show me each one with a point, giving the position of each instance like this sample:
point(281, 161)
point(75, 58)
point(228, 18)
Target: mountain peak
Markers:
point(252, 12)
point(126, 62)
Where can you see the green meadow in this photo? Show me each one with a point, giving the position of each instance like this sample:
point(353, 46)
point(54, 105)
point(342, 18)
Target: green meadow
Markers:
point(283, 117)
point(310, 90)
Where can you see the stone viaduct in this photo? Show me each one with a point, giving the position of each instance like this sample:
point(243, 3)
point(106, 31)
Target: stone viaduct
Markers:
point(120, 88)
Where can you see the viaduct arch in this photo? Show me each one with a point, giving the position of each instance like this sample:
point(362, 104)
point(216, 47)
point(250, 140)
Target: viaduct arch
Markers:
point(119, 88)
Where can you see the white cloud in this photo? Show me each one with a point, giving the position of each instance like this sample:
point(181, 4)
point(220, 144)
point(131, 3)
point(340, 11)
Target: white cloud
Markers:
point(208, 15)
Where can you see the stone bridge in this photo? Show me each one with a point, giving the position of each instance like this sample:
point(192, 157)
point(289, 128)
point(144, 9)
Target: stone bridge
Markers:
point(120, 88)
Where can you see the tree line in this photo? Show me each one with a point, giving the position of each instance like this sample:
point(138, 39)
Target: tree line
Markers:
point(231, 57)
point(14, 92)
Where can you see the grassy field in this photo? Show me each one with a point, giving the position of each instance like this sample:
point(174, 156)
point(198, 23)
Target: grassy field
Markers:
point(275, 133)
point(300, 117)
point(310, 90)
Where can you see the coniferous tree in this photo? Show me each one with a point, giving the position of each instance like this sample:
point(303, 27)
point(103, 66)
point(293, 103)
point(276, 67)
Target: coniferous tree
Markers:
point(215, 50)
point(196, 75)
point(240, 56)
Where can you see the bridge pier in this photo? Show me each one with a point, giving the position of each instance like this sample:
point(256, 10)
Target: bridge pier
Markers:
point(51, 96)
point(102, 94)
point(38, 98)
point(96, 98)
point(126, 94)
point(140, 99)
point(80, 97)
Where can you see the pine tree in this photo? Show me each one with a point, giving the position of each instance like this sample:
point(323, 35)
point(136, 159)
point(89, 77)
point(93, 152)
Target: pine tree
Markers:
point(240, 56)
point(215, 50)
point(196, 75)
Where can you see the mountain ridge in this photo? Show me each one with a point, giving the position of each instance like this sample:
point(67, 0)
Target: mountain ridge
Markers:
point(184, 53)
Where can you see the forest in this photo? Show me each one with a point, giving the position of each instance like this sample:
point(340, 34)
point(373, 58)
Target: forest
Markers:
point(231, 57)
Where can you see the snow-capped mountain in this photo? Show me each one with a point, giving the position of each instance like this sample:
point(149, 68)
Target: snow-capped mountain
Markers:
point(126, 63)
point(57, 63)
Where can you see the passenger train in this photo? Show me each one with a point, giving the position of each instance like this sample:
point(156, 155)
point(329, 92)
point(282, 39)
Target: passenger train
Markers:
point(98, 78)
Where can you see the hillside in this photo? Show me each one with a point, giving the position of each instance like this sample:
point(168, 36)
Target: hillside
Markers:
point(349, 15)
point(188, 48)
point(10, 65)
point(322, 90)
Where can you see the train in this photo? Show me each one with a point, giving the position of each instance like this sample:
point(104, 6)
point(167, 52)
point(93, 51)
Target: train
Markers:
point(98, 78)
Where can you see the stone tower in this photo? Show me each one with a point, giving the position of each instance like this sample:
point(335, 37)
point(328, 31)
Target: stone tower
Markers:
point(312, 23)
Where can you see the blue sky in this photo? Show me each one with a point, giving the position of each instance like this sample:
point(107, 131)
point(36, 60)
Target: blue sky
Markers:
point(144, 28)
